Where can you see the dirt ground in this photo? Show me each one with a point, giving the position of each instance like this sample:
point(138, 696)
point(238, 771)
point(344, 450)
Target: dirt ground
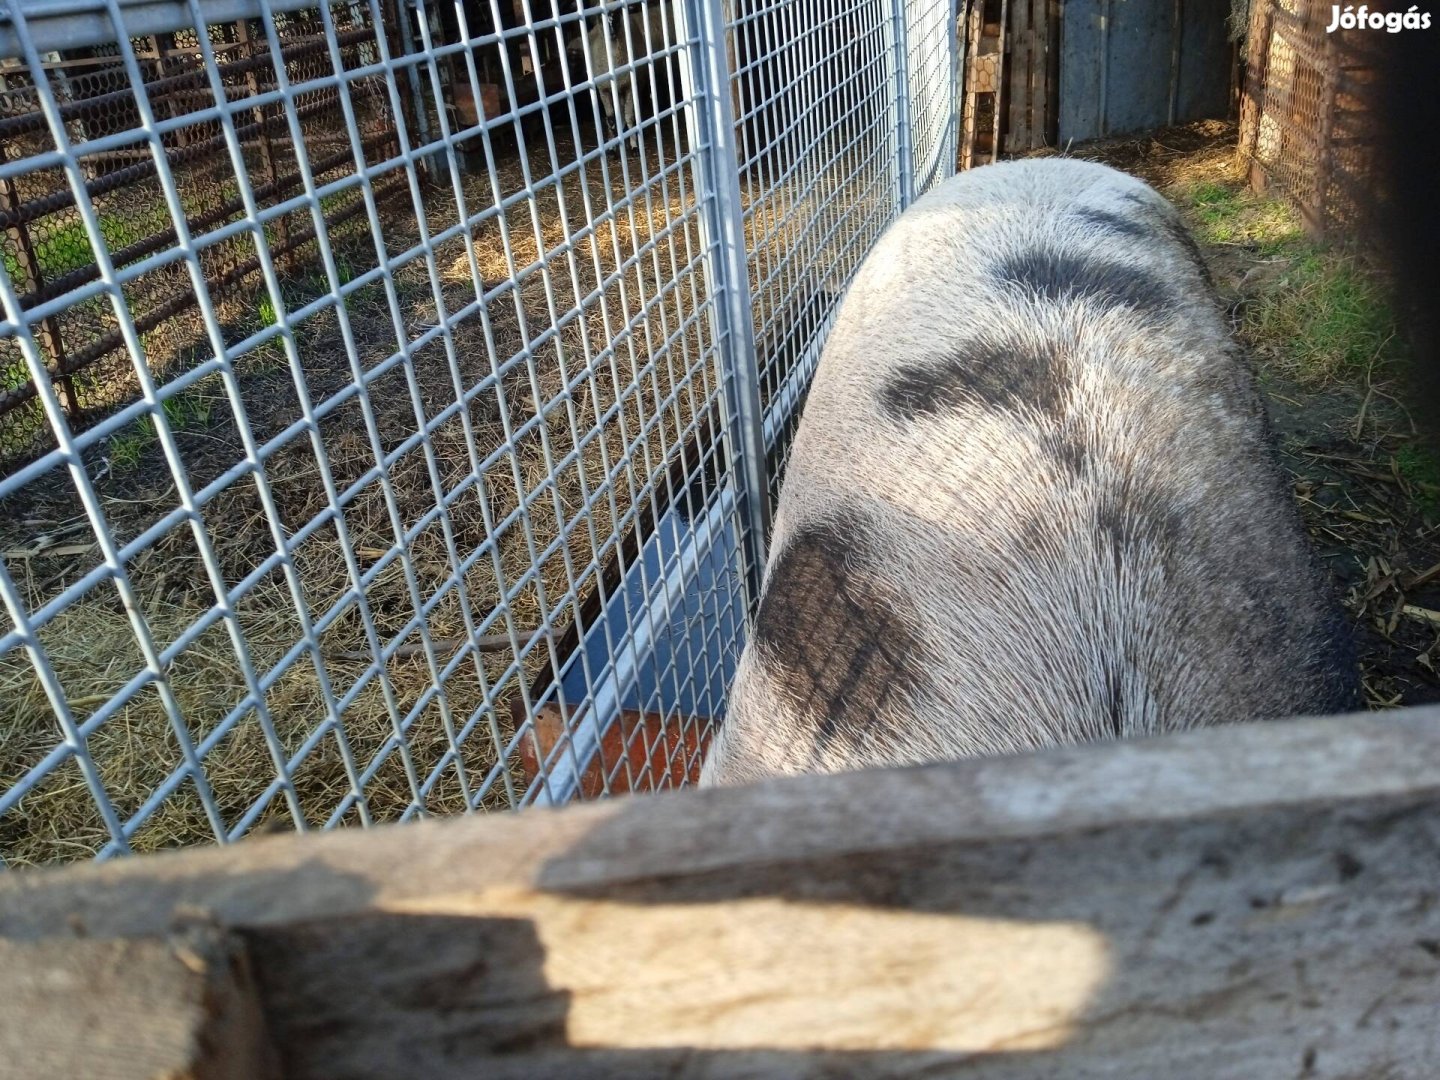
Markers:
point(1331, 355)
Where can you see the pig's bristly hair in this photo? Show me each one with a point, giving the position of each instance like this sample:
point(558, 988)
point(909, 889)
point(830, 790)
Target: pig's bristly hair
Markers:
point(1033, 499)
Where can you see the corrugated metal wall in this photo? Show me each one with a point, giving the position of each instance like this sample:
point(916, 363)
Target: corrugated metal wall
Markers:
point(1132, 65)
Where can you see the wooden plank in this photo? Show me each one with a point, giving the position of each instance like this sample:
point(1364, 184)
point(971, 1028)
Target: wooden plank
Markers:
point(1252, 99)
point(1177, 31)
point(1246, 902)
point(1132, 66)
point(1017, 138)
point(1081, 42)
point(1138, 52)
point(1041, 15)
point(462, 97)
point(1051, 73)
point(997, 115)
point(737, 87)
point(180, 1008)
point(1206, 62)
point(981, 76)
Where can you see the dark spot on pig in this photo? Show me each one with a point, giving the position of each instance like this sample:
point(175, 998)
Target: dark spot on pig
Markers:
point(836, 637)
point(1012, 377)
point(1061, 277)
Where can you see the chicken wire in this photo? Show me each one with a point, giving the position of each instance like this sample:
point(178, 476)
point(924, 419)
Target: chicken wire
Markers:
point(1306, 117)
point(423, 450)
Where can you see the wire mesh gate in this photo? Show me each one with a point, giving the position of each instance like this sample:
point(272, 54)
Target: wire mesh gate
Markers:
point(459, 509)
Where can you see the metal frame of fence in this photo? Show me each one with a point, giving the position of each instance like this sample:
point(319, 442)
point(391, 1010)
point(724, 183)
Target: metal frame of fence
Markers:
point(84, 350)
point(476, 516)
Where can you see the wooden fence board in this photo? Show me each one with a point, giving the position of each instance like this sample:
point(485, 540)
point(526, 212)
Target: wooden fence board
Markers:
point(1254, 901)
point(178, 1008)
point(1021, 57)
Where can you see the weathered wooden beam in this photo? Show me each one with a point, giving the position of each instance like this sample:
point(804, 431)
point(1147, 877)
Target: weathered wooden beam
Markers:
point(1253, 901)
point(1017, 137)
point(1254, 88)
point(182, 1008)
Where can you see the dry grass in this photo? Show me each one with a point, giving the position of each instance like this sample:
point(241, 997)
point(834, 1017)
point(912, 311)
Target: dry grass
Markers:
point(641, 400)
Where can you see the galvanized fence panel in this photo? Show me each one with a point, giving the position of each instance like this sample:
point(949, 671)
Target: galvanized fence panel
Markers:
point(448, 492)
point(933, 67)
point(825, 126)
point(45, 245)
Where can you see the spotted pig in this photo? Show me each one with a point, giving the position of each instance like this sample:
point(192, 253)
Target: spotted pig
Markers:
point(1033, 500)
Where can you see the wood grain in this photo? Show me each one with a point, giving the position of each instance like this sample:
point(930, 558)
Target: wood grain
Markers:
point(183, 1008)
point(1246, 902)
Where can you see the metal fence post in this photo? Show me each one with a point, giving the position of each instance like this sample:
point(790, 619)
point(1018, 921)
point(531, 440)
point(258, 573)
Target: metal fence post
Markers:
point(405, 10)
point(271, 174)
point(712, 133)
point(954, 33)
point(28, 276)
point(904, 129)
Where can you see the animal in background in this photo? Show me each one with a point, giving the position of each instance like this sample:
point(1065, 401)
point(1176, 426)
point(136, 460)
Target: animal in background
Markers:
point(614, 50)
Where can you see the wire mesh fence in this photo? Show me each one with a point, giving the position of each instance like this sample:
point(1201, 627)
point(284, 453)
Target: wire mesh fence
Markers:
point(1306, 115)
point(445, 369)
point(932, 66)
point(46, 248)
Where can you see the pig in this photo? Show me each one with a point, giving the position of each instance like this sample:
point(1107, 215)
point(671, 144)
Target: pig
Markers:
point(1033, 500)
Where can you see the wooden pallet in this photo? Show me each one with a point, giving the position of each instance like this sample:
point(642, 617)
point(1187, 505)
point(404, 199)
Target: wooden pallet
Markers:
point(1011, 78)
point(984, 62)
point(1033, 75)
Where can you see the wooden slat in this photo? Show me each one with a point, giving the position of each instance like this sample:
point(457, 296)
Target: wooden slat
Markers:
point(1254, 901)
point(970, 20)
point(1017, 139)
point(181, 1008)
point(1252, 101)
point(997, 115)
point(1043, 103)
